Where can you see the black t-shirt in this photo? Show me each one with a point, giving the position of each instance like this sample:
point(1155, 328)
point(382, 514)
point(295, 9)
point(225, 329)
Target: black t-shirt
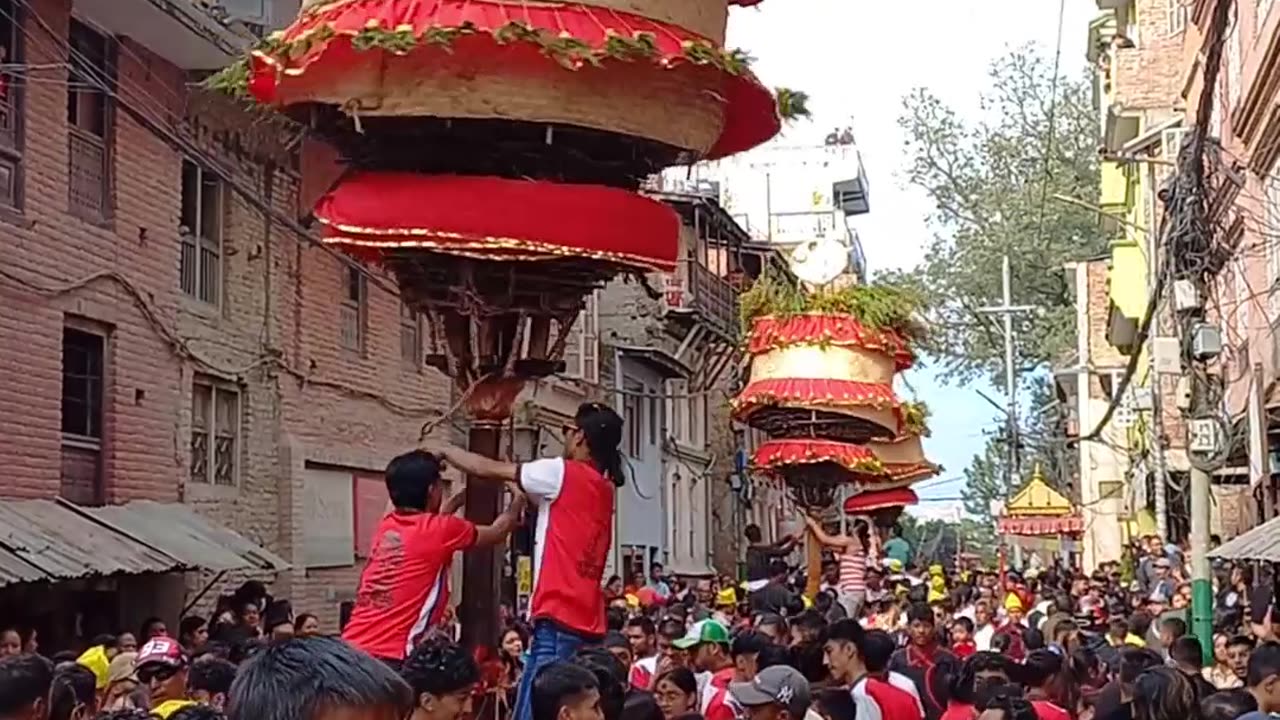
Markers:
point(1260, 599)
point(758, 558)
point(772, 598)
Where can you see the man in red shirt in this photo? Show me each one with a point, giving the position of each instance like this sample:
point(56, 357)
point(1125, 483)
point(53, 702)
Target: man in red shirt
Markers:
point(574, 495)
point(707, 643)
point(404, 588)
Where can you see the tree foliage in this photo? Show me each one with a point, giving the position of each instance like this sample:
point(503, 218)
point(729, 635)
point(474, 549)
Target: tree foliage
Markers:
point(938, 541)
point(993, 190)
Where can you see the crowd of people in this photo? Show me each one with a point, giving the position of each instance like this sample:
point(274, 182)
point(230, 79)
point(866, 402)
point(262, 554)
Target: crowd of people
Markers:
point(880, 636)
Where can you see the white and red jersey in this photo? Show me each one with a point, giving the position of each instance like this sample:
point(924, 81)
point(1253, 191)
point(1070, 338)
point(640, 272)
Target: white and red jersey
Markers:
point(716, 702)
point(571, 543)
point(642, 672)
point(877, 699)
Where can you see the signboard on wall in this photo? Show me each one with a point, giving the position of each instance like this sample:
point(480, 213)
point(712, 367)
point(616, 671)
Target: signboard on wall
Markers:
point(673, 292)
point(328, 518)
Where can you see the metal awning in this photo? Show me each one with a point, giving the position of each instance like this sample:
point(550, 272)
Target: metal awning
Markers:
point(658, 360)
point(52, 540)
point(183, 534)
point(1260, 543)
point(42, 540)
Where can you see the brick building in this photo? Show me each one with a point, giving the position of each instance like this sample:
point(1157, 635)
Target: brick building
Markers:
point(166, 334)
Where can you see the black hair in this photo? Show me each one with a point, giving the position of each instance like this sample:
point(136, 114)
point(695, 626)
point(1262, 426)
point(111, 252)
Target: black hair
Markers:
point(1227, 704)
point(144, 630)
point(644, 624)
point(63, 656)
point(24, 679)
point(1040, 667)
point(615, 639)
point(964, 682)
point(1009, 701)
point(211, 675)
point(748, 642)
point(615, 618)
point(602, 430)
point(920, 612)
point(73, 685)
point(189, 625)
point(245, 648)
point(1033, 639)
point(1133, 661)
point(1237, 640)
point(640, 705)
point(772, 654)
point(753, 533)
point(965, 623)
point(778, 568)
point(681, 677)
point(1118, 626)
point(409, 479)
point(1264, 662)
point(197, 711)
point(671, 628)
point(1139, 623)
point(439, 667)
point(876, 649)
point(301, 620)
point(808, 658)
point(836, 704)
point(810, 620)
point(611, 679)
point(555, 684)
point(846, 630)
point(214, 649)
point(107, 641)
point(297, 678)
point(1176, 627)
point(1000, 642)
point(1188, 651)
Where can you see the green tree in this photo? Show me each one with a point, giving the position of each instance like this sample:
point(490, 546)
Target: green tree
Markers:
point(992, 182)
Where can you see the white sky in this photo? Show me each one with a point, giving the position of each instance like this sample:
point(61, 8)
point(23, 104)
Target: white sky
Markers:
point(858, 59)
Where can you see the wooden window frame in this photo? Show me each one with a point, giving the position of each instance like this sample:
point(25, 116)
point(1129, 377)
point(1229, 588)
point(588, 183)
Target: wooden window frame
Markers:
point(216, 388)
point(90, 439)
point(12, 141)
point(77, 133)
point(205, 287)
point(359, 306)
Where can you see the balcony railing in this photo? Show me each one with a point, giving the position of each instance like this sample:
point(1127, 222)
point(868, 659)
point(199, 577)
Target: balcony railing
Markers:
point(696, 290)
point(87, 157)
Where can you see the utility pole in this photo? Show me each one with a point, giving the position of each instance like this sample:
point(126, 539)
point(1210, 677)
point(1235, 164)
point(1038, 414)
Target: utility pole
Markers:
point(1007, 310)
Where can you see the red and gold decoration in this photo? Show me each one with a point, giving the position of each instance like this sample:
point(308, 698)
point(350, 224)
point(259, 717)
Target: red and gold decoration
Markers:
point(494, 149)
point(492, 153)
point(1039, 511)
point(820, 384)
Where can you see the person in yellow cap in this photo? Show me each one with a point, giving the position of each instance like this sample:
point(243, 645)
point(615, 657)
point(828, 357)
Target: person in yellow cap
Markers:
point(97, 659)
point(1013, 627)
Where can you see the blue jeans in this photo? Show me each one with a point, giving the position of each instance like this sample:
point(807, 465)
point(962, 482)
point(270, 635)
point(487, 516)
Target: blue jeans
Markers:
point(548, 644)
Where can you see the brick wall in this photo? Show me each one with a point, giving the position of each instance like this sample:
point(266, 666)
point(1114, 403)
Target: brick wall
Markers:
point(273, 337)
point(1149, 75)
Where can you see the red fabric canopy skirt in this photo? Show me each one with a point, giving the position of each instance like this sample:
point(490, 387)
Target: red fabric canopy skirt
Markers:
point(498, 219)
point(1041, 526)
point(870, 501)
point(770, 332)
point(507, 60)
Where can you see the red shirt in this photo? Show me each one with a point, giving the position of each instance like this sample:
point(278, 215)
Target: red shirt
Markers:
point(960, 711)
point(964, 649)
point(876, 699)
point(642, 672)
point(404, 588)
point(717, 704)
point(571, 542)
point(1046, 710)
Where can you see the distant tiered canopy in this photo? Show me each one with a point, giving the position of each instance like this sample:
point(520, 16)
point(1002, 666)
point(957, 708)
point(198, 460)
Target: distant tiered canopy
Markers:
point(1039, 510)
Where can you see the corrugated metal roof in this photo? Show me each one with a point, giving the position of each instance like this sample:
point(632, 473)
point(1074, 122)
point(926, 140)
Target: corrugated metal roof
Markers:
point(49, 540)
point(1260, 543)
point(181, 532)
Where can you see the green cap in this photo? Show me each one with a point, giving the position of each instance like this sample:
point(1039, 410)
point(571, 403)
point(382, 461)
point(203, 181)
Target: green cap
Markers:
point(703, 631)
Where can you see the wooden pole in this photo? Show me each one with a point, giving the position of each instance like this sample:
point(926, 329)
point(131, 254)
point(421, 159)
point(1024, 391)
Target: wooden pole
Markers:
point(478, 612)
point(813, 576)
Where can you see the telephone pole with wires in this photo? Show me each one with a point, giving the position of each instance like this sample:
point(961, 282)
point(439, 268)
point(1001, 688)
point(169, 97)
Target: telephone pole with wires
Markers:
point(1007, 311)
point(1190, 248)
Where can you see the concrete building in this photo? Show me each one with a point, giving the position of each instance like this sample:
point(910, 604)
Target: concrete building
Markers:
point(167, 335)
point(1134, 46)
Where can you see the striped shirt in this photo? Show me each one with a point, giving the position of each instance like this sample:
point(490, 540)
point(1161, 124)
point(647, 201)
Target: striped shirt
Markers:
point(853, 572)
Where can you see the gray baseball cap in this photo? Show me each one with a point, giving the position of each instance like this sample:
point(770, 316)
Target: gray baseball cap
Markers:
point(780, 685)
